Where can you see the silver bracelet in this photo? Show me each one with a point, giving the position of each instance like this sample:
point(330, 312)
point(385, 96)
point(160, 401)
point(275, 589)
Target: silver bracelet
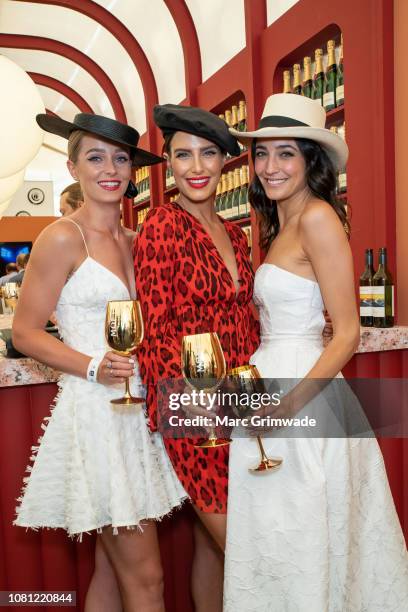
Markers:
point(92, 371)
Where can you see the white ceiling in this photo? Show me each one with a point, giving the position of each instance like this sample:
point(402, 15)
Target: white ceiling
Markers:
point(220, 27)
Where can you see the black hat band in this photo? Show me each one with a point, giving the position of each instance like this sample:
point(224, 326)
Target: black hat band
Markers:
point(280, 121)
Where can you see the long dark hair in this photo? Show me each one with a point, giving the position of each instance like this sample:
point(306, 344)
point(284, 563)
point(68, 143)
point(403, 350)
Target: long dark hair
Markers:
point(320, 178)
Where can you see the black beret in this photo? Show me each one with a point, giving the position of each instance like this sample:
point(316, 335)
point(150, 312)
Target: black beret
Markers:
point(172, 118)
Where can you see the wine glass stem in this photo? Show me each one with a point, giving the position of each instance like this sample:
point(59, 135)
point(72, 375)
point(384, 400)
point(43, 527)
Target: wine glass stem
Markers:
point(127, 392)
point(261, 448)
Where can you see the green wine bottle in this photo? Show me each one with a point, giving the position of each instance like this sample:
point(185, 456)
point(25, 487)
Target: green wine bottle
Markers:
point(217, 197)
point(230, 193)
point(318, 82)
point(235, 195)
point(366, 291)
point(223, 195)
point(383, 293)
point(243, 194)
point(297, 81)
point(330, 83)
point(340, 77)
point(242, 123)
point(307, 76)
point(286, 82)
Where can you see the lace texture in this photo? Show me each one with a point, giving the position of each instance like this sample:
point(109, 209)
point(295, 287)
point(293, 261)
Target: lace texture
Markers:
point(96, 464)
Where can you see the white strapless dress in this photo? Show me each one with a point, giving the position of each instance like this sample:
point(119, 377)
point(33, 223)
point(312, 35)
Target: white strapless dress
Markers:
point(97, 464)
point(321, 534)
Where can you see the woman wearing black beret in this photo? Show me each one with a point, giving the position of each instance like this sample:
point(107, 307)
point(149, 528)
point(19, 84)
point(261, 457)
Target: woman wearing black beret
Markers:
point(193, 275)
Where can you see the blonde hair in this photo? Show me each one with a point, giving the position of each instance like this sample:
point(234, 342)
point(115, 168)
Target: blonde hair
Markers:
point(74, 195)
point(74, 143)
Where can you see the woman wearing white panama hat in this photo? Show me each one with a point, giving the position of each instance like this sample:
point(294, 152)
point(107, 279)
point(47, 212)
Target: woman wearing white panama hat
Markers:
point(308, 535)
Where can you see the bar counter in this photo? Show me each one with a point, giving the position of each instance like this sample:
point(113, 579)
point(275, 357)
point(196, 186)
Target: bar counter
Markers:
point(52, 561)
point(27, 371)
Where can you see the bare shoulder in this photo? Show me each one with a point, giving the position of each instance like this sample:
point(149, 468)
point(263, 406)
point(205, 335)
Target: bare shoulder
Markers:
point(319, 217)
point(61, 242)
point(60, 234)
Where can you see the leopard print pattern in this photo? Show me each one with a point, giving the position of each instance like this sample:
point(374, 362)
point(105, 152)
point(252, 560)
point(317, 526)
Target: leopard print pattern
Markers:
point(185, 288)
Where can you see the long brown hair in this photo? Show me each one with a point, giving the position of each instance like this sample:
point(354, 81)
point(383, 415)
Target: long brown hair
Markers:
point(320, 178)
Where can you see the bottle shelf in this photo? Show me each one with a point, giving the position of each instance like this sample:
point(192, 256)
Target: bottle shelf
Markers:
point(235, 162)
point(335, 115)
point(171, 190)
point(245, 221)
point(140, 205)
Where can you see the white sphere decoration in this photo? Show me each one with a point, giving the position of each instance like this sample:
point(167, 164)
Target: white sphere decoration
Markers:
point(10, 185)
point(4, 206)
point(20, 102)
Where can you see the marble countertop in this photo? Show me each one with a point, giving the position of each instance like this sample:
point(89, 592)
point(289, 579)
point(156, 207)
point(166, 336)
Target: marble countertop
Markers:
point(26, 371)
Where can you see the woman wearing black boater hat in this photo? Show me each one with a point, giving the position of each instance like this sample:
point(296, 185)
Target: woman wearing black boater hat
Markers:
point(193, 275)
point(321, 532)
point(97, 467)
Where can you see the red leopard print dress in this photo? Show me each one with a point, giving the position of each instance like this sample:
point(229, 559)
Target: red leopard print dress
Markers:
point(185, 288)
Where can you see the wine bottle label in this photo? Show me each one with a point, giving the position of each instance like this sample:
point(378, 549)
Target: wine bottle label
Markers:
point(366, 301)
point(342, 181)
point(328, 99)
point(340, 94)
point(378, 301)
point(383, 301)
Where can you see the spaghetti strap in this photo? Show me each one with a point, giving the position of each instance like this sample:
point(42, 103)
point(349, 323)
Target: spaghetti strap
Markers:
point(82, 233)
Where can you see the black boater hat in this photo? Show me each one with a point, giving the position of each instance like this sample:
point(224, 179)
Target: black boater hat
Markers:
point(172, 118)
point(100, 126)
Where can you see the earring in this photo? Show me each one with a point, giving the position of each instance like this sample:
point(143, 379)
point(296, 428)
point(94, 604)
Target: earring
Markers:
point(131, 191)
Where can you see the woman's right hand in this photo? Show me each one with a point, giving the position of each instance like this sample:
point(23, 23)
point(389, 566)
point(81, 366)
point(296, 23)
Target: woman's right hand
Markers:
point(115, 369)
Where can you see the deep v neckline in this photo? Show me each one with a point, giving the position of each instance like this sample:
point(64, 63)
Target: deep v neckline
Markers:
point(213, 246)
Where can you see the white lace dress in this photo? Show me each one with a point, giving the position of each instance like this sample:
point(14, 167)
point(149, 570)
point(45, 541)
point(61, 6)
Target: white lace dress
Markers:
point(97, 464)
point(321, 534)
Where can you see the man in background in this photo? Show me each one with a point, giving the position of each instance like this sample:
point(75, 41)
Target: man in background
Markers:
point(21, 261)
point(11, 270)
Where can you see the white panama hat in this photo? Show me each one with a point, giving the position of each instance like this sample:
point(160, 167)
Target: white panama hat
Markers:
point(294, 116)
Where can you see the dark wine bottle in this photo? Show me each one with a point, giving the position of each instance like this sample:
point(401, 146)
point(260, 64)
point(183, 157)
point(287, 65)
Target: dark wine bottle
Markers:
point(340, 77)
point(318, 82)
point(297, 80)
point(366, 291)
point(330, 82)
point(383, 293)
point(307, 77)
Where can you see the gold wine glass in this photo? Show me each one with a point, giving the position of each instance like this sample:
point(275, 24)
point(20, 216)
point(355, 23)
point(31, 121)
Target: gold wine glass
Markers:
point(124, 332)
point(249, 381)
point(11, 292)
point(203, 367)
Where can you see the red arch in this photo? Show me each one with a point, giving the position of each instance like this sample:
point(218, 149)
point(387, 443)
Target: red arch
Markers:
point(39, 43)
point(124, 36)
point(62, 88)
point(50, 112)
point(191, 46)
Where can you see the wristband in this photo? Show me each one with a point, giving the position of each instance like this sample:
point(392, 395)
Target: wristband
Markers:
point(92, 371)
